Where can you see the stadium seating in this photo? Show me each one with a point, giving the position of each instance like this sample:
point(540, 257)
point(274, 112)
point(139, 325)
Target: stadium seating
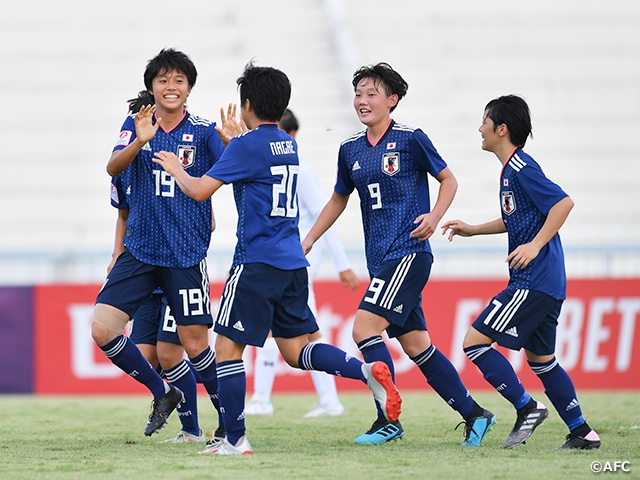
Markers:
point(69, 68)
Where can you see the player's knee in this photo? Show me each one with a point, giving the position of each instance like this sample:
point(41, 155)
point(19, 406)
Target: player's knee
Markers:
point(107, 323)
point(474, 337)
point(170, 357)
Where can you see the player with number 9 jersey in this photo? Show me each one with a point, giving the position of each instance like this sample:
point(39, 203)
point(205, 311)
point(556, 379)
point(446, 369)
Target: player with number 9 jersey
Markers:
point(391, 180)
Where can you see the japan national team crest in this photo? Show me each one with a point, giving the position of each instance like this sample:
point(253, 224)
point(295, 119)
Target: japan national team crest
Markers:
point(391, 163)
point(508, 203)
point(187, 155)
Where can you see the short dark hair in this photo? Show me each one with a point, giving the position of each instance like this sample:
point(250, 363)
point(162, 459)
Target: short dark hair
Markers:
point(289, 122)
point(382, 73)
point(512, 111)
point(143, 99)
point(267, 88)
point(170, 59)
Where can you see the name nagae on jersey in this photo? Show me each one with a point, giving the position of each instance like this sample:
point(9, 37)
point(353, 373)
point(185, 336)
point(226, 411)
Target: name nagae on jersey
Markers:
point(282, 148)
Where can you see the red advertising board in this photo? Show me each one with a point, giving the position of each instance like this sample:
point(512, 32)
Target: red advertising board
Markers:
point(598, 342)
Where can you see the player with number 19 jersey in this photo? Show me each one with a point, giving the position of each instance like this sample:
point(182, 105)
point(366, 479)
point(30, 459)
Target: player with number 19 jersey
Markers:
point(157, 204)
point(263, 165)
point(391, 180)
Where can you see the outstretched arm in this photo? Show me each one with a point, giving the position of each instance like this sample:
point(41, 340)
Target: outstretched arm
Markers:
point(524, 254)
point(330, 213)
point(428, 222)
point(198, 188)
point(458, 227)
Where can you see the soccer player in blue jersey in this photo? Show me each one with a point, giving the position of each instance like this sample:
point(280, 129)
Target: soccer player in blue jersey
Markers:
point(166, 238)
point(388, 163)
point(268, 285)
point(525, 314)
point(154, 331)
point(311, 199)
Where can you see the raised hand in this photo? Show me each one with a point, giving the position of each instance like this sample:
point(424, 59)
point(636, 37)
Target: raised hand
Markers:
point(145, 129)
point(230, 124)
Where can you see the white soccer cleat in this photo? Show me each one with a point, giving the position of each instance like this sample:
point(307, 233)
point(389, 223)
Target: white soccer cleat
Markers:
point(322, 411)
point(384, 390)
point(258, 408)
point(243, 447)
point(186, 437)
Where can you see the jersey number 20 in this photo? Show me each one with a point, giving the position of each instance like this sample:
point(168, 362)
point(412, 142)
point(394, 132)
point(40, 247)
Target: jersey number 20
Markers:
point(285, 188)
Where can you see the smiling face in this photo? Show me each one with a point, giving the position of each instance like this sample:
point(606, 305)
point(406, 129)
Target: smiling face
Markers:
point(372, 103)
point(170, 90)
point(490, 134)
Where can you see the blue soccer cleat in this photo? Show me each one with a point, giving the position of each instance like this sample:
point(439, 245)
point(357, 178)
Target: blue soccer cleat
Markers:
point(477, 427)
point(382, 431)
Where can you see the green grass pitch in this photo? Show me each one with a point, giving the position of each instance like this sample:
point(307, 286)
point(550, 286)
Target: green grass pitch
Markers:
point(100, 437)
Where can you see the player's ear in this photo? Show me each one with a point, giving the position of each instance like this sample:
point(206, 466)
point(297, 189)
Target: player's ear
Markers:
point(393, 100)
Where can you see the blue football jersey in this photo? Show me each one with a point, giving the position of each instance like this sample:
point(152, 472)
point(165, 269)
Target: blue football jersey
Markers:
point(392, 183)
point(526, 196)
point(118, 195)
point(167, 228)
point(263, 167)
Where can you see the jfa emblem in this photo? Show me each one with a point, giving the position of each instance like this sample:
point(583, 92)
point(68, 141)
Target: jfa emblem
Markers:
point(508, 203)
point(186, 155)
point(391, 163)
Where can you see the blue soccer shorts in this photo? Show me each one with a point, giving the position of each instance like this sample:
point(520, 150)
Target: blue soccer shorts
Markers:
point(520, 318)
point(131, 281)
point(258, 298)
point(395, 293)
point(154, 322)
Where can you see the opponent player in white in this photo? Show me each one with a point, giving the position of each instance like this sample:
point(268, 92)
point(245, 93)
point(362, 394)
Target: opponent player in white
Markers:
point(267, 289)
point(388, 164)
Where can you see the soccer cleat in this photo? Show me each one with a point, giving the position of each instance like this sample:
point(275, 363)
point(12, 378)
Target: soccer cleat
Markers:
point(186, 437)
point(476, 428)
point(382, 431)
point(591, 441)
point(217, 437)
point(256, 407)
point(243, 447)
point(384, 391)
point(527, 421)
point(161, 408)
point(321, 411)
